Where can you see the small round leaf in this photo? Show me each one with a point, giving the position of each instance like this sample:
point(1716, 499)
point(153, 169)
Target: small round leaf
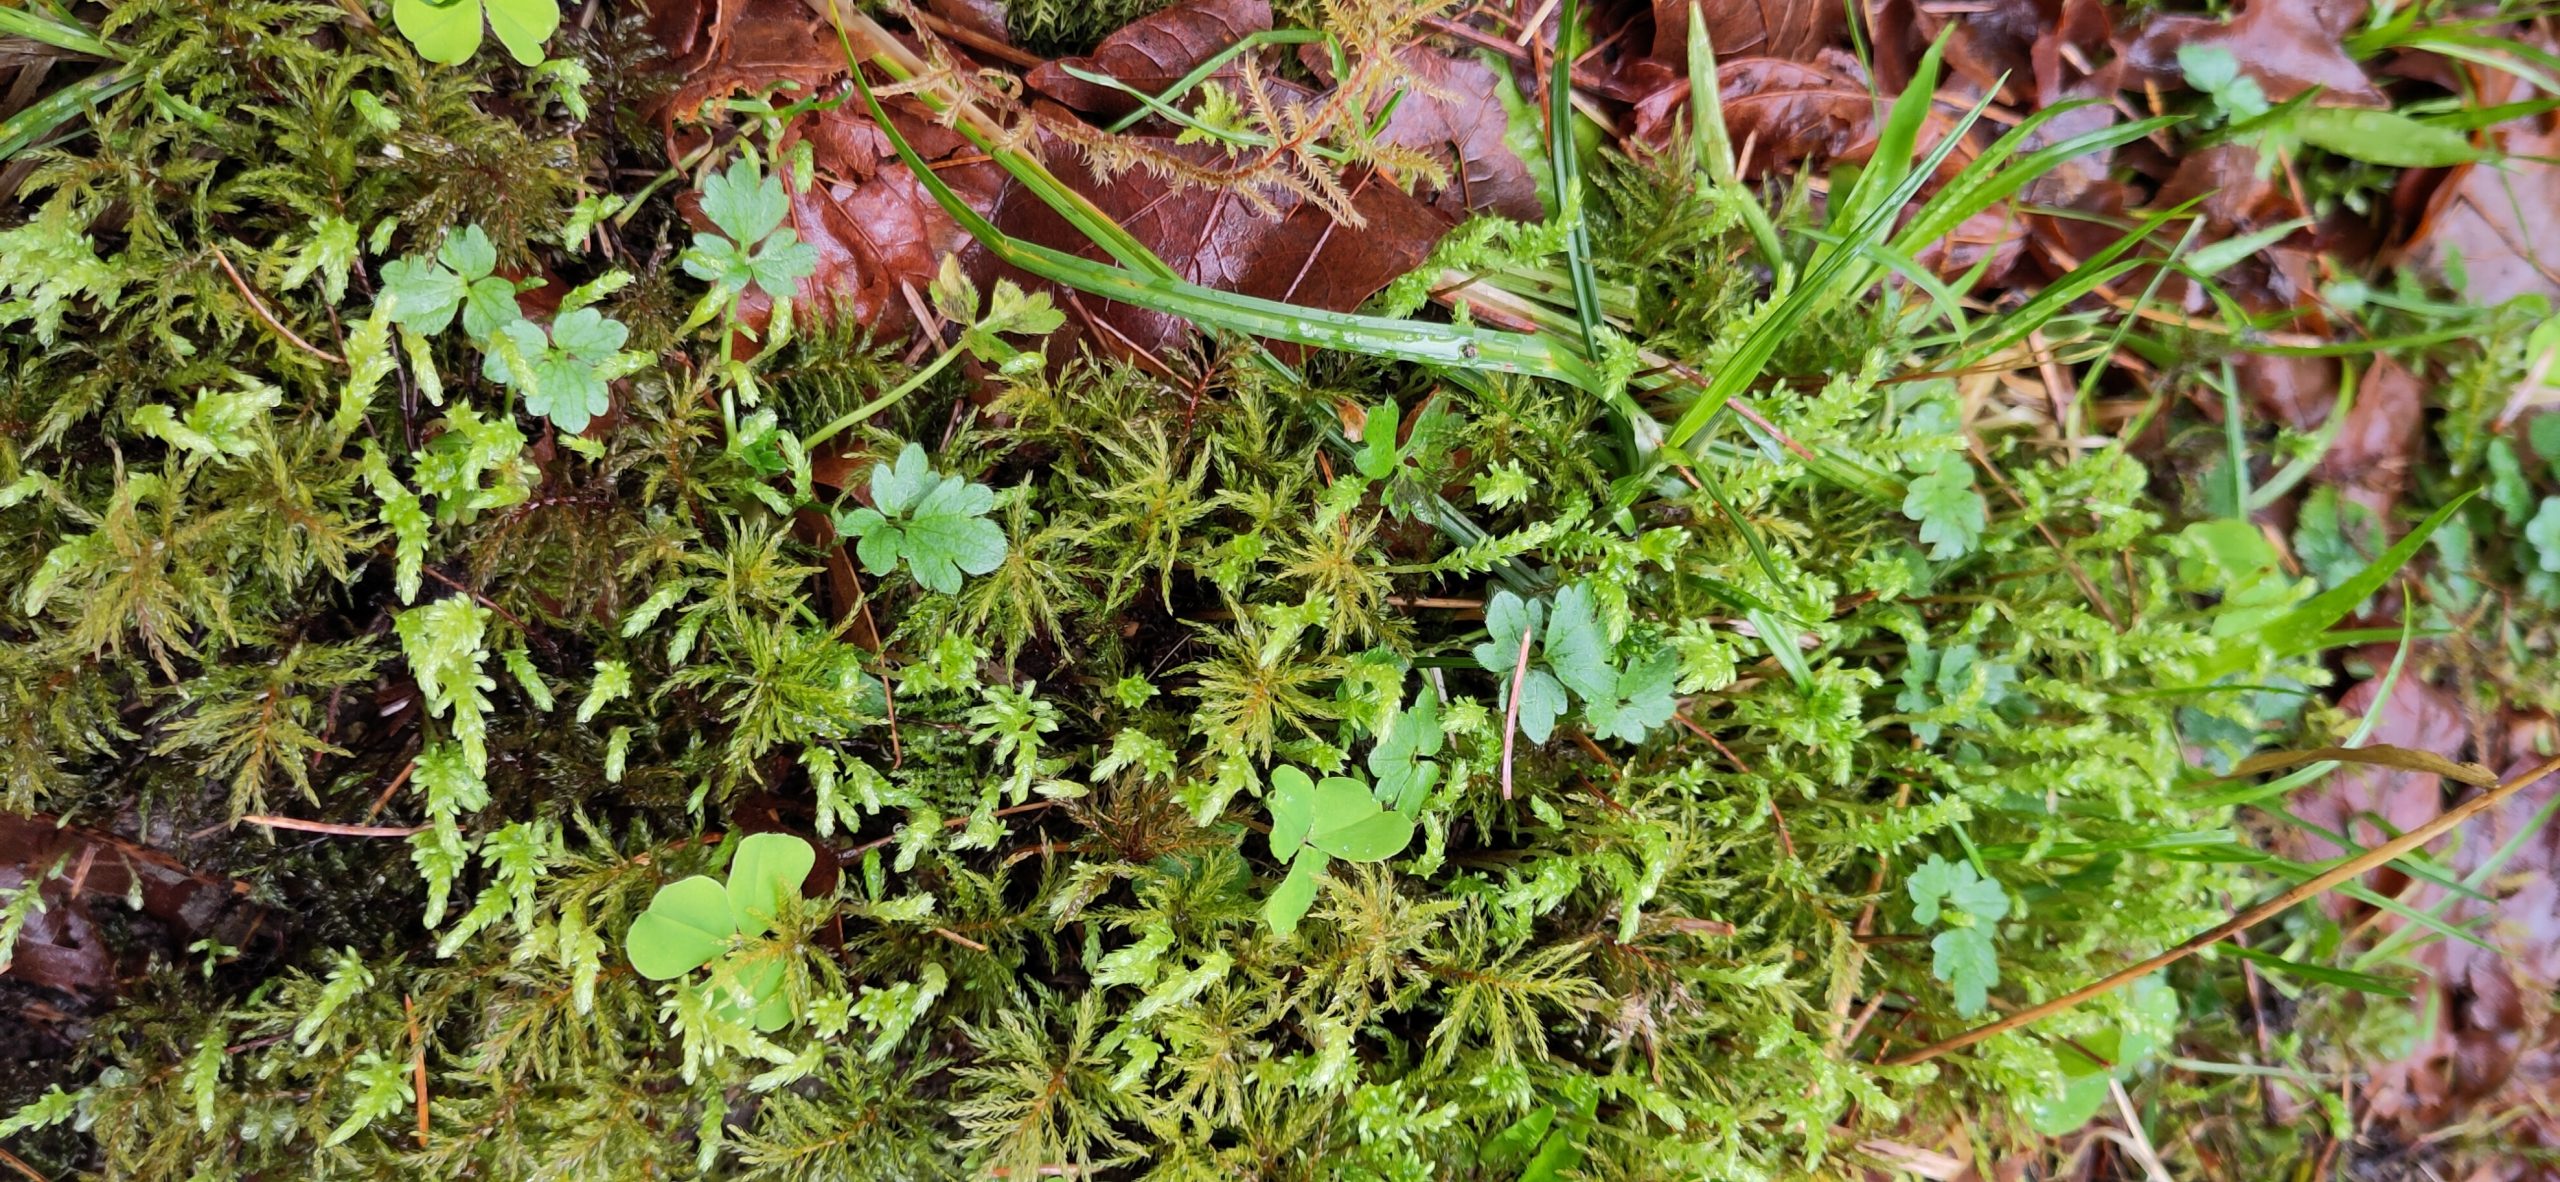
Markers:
point(687, 924)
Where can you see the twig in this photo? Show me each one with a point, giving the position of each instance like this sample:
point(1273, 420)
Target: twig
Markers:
point(259, 306)
point(331, 827)
point(959, 939)
point(2379, 855)
point(1511, 713)
point(417, 1064)
point(972, 38)
point(11, 1160)
point(389, 790)
point(855, 854)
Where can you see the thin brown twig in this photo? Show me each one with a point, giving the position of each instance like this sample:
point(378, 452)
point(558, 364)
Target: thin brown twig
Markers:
point(259, 307)
point(1511, 713)
point(417, 1064)
point(2350, 868)
point(959, 939)
point(391, 789)
point(11, 1160)
point(335, 829)
point(855, 854)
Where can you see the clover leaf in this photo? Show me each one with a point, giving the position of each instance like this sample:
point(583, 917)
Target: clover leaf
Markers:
point(753, 247)
point(1313, 821)
point(697, 920)
point(1402, 759)
point(933, 522)
point(448, 31)
point(1641, 699)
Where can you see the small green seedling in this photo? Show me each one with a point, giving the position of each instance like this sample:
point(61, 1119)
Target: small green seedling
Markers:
point(934, 522)
point(1973, 905)
point(448, 31)
point(1314, 821)
point(695, 921)
point(754, 248)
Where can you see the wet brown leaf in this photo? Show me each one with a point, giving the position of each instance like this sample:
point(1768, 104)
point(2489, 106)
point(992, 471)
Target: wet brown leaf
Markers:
point(1454, 113)
point(1778, 112)
point(2495, 227)
point(61, 948)
point(2375, 448)
point(725, 47)
point(880, 236)
point(1298, 254)
point(2288, 46)
point(2416, 717)
point(1152, 53)
point(1791, 29)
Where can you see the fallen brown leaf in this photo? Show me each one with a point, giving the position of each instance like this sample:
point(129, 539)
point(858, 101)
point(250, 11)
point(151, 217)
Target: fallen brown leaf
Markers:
point(1790, 29)
point(2370, 460)
point(1454, 113)
point(1152, 53)
point(1299, 253)
point(2288, 46)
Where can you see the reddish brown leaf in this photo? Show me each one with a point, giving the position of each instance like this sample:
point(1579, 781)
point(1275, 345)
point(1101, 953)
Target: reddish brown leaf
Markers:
point(60, 948)
point(1453, 111)
point(724, 47)
point(879, 235)
point(2376, 446)
point(1777, 111)
point(1220, 240)
point(1790, 29)
point(2416, 716)
point(2288, 46)
point(1152, 53)
point(2496, 226)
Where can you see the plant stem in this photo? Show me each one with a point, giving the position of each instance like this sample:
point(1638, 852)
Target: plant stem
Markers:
point(885, 401)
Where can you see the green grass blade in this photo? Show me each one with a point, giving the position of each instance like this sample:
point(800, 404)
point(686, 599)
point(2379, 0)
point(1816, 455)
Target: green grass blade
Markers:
point(1564, 159)
point(47, 115)
point(60, 34)
point(1447, 345)
point(1715, 142)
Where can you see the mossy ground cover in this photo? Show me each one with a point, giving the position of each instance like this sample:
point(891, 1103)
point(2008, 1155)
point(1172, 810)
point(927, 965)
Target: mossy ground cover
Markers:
point(571, 614)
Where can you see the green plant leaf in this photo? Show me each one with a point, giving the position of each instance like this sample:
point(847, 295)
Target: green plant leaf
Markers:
point(1577, 647)
point(1951, 514)
point(764, 876)
point(1968, 964)
point(446, 33)
point(427, 294)
point(1293, 804)
point(687, 924)
point(523, 25)
point(934, 523)
point(2385, 137)
point(1289, 901)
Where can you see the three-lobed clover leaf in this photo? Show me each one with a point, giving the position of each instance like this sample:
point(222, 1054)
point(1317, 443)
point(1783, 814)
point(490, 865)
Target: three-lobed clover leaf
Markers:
point(1402, 758)
point(692, 922)
point(448, 31)
point(563, 375)
point(753, 247)
point(1643, 697)
point(1569, 648)
point(933, 522)
point(1314, 821)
